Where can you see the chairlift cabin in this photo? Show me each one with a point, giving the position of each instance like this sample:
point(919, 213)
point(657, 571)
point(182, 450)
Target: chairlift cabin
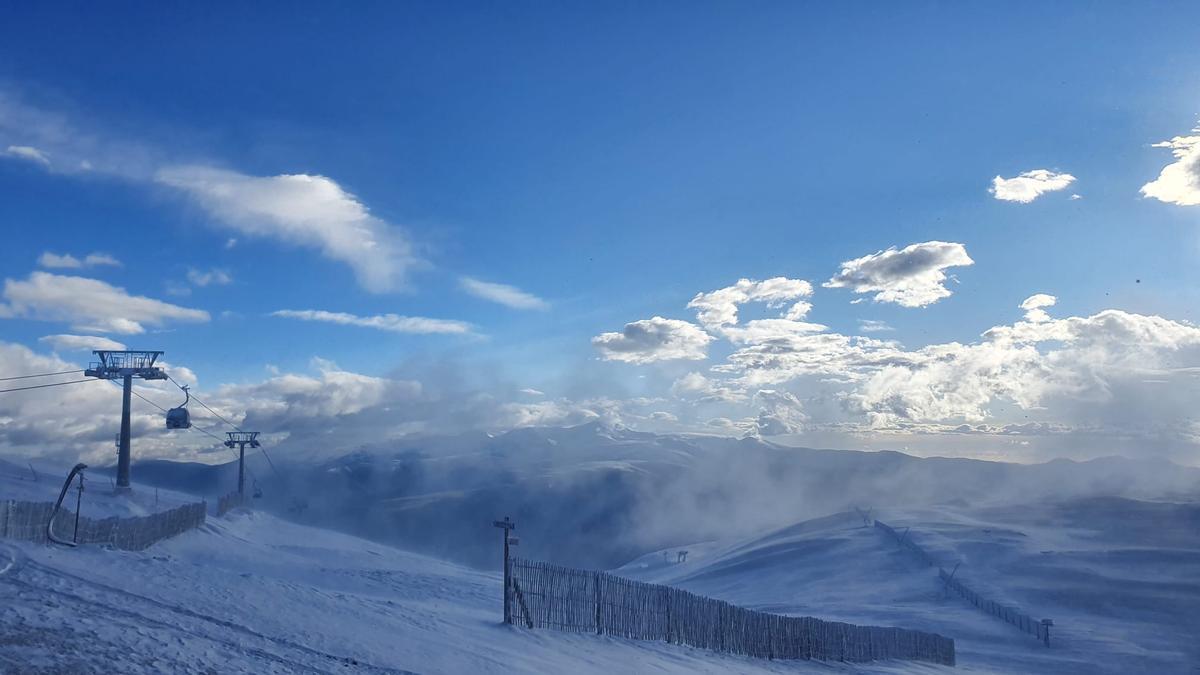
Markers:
point(179, 418)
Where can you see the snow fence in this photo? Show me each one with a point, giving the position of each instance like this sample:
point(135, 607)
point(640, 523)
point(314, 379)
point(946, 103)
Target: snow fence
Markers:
point(548, 596)
point(1006, 613)
point(27, 520)
point(229, 502)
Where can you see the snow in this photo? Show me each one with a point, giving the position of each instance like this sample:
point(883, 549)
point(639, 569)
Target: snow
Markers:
point(250, 593)
point(253, 593)
point(43, 484)
point(1118, 577)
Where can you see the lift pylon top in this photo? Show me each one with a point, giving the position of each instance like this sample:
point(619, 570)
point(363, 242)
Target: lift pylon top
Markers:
point(249, 438)
point(116, 364)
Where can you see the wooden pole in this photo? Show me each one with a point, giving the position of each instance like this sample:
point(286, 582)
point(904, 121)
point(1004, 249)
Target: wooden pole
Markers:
point(78, 507)
point(506, 525)
point(599, 600)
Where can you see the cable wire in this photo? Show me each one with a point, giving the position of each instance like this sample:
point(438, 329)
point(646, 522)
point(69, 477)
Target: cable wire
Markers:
point(218, 416)
point(26, 377)
point(197, 400)
point(43, 386)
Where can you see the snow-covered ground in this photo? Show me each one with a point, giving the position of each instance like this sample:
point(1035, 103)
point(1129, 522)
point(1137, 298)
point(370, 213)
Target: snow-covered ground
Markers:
point(1120, 579)
point(39, 484)
point(251, 593)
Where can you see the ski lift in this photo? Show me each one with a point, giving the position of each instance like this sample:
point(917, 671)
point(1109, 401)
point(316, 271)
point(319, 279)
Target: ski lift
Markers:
point(257, 491)
point(178, 418)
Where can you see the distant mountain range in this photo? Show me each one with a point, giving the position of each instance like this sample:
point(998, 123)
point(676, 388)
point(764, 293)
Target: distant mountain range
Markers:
point(597, 496)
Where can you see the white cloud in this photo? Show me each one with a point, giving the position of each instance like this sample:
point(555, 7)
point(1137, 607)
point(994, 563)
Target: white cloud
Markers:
point(89, 304)
point(696, 387)
point(1033, 307)
point(873, 326)
point(387, 322)
point(212, 277)
point(509, 296)
point(913, 276)
point(780, 412)
point(80, 343)
point(720, 307)
point(655, 339)
point(28, 153)
point(532, 392)
point(1029, 185)
point(68, 261)
point(305, 210)
point(310, 211)
point(97, 259)
point(1178, 182)
point(295, 398)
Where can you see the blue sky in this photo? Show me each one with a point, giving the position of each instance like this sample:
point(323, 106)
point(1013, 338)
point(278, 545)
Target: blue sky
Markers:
point(610, 162)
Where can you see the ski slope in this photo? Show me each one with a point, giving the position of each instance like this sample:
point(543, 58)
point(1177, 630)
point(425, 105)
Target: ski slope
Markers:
point(1118, 577)
point(250, 593)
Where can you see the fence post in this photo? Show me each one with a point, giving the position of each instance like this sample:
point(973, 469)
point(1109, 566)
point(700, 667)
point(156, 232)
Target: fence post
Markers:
point(1046, 623)
point(666, 594)
point(506, 525)
point(599, 600)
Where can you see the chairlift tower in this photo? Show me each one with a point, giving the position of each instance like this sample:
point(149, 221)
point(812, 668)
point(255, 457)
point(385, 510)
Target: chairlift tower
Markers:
point(125, 365)
point(242, 439)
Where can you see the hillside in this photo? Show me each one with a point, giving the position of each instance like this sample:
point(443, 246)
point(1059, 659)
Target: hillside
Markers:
point(253, 594)
point(594, 495)
point(1118, 577)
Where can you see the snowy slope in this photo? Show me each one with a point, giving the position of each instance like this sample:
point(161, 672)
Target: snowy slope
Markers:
point(45, 482)
point(251, 593)
point(1118, 577)
point(593, 495)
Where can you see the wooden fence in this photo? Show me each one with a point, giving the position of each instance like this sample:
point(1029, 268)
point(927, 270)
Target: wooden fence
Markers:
point(27, 520)
point(1008, 614)
point(229, 502)
point(548, 596)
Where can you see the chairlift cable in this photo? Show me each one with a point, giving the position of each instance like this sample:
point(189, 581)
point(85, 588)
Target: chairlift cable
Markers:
point(43, 386)
point(205, 405)
point(26, 377)
point(218, 416)
point(203, 431)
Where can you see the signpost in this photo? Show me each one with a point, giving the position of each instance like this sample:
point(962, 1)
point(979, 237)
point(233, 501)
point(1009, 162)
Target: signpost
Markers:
point(507, 525)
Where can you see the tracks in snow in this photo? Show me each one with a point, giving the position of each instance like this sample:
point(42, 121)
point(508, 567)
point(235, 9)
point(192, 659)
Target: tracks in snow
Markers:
point(124, 620)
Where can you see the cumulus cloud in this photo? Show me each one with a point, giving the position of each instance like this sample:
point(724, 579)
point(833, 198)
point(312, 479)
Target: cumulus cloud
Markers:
point(1029, 185)
point(278, 401)
point(89, 305)
point(913, 276)
point(304, 210)
point(28, 153)
point(720, 307)
point(212, 277)
point(80, 343)
point(1033, 307)
point(387, 322)
point(654, 339)
point(1178, 182)
point(1079, 369)
point(509, 296)
point(68, 261)
point(780, 412)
